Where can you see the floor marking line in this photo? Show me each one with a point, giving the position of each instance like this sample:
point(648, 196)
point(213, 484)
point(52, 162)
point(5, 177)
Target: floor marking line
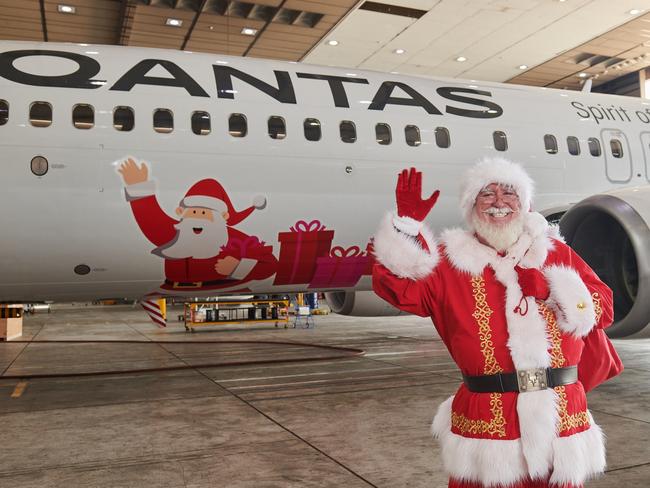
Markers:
point(19, 390)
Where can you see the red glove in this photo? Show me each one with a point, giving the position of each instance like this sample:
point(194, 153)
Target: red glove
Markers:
point(533, 283)
point(409, 196)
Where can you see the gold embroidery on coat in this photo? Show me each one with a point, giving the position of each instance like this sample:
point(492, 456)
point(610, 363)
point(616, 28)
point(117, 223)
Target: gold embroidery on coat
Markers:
point(569, 421)
point(597, 308)
point(482, 313)
point(557, 357)
point(495, 427)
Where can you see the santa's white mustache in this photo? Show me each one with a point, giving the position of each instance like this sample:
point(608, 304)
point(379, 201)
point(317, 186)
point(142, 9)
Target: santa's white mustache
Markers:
point(498, 211)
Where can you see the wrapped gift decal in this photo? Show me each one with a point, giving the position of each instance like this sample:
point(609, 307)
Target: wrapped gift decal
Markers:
point(341, 269)
point(299, 250)
point(370, 252)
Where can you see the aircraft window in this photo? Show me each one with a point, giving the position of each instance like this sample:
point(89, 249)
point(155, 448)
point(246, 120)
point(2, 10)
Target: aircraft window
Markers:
point(312, 129)
point(594, 146)
point(237, 125)
point(123, 119)
point(277, 127)
point(442, 137)
point(83, 116)
point(348, 131)
point(500, 140)
point(382, 132)
point(617, 148)
point(201, 123)
point(550, 143)
point(412, 134)
point(573, 145)
point(40, 114)
point(163, 120)
point(4, 112)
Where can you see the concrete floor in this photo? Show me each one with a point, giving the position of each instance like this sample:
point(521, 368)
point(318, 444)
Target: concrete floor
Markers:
point(349, 422)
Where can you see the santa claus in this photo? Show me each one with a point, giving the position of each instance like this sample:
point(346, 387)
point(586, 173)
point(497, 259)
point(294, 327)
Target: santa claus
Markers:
point(202, 250)
point(515, 307)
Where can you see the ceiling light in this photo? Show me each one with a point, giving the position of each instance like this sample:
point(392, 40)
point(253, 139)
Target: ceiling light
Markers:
point(66, 9)
point(582, 75)
point(460, 59)
point(174, 22)
point(635, 11)
point(399, 51)
point(523, 66)
point(249, 31)
point(333, 43)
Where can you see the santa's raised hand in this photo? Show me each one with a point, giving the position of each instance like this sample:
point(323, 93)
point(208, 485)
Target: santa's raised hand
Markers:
point(408, 194)
point(132, 173)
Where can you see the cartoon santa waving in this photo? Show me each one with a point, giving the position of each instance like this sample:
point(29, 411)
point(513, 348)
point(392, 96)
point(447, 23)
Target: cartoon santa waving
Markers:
point(202, 249)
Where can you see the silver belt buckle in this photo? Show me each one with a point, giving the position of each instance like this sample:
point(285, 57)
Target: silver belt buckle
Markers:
point(531, 379)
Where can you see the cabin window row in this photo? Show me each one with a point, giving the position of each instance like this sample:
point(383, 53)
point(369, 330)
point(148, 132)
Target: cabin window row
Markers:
point(83, 117)
point(573, 146)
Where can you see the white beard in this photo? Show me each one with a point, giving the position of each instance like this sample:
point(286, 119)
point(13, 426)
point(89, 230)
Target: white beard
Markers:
point(188, 244)
point(498, 236)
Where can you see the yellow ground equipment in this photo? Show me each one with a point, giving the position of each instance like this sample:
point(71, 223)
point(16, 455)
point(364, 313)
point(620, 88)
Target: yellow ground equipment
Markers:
point(199, 314)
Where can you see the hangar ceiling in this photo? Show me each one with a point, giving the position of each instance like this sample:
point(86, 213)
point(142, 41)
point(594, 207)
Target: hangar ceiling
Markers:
point(556, 43)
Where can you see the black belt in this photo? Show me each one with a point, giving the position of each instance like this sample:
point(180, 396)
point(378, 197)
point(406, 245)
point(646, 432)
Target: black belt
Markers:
point(197, 284)
point(522, 381)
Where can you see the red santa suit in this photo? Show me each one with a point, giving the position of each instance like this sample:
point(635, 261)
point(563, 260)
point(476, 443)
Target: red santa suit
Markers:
point(472, 294)
point(256, 260)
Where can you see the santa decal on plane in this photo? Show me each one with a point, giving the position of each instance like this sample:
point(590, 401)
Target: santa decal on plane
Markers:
point(201, 248)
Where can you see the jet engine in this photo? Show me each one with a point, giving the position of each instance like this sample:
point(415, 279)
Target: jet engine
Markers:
point(611, 233)
point(359, 304)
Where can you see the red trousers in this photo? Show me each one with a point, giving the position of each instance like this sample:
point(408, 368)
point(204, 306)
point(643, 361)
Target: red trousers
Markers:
point(523, 484)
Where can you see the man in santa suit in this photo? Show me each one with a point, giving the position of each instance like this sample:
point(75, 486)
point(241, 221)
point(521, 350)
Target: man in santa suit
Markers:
point(202, 250)
point(515, 307)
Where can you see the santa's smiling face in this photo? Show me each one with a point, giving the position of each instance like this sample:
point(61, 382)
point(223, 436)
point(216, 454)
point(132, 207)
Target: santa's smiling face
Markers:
point(200, 234)
point(497, 217)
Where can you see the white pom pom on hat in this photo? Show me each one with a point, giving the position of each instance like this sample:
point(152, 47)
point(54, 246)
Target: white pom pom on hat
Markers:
point(494, 170)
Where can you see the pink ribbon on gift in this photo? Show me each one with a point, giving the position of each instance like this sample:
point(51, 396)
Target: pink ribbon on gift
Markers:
point(302, 226)
point(350, 252)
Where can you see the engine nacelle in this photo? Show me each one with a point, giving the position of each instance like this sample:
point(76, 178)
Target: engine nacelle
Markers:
point(611, 233)
point(359, 304)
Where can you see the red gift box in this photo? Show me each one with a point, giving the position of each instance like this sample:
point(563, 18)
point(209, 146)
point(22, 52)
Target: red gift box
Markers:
point(370, 252)
point(342, 269)
point(299, 250)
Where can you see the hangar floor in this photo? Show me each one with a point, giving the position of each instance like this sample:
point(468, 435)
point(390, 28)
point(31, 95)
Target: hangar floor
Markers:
point(351, 422)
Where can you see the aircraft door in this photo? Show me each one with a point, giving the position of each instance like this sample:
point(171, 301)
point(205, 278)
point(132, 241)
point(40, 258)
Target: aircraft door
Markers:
point(618, 161)
point(645, 143)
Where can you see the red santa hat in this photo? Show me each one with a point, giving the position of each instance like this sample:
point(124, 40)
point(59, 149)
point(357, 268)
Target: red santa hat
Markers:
point(494, 170)
point(210, 194)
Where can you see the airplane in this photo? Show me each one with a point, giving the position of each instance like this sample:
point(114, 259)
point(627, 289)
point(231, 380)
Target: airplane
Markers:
point(119, 162)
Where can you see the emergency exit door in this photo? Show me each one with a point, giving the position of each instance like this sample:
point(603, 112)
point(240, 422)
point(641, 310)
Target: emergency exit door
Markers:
point(618, 161)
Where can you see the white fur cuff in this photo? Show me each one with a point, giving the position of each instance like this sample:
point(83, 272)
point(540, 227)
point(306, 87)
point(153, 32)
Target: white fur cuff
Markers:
point(402, 254)
point(140, 190)
point(407, 225)
point(576, 314)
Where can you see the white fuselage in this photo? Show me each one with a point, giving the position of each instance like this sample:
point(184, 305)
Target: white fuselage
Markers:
point(77, 213)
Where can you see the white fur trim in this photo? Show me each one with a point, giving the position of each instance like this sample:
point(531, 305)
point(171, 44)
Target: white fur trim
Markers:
point(402, 254)
point(140, 190)
point(570, 295)
point(494, 170)
point(579, 457)
point(538, 420)
point(243, 268)
point(572, 459)
point(490, 462)
point(407, 225)
point(466, 253)
point(204, 201)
